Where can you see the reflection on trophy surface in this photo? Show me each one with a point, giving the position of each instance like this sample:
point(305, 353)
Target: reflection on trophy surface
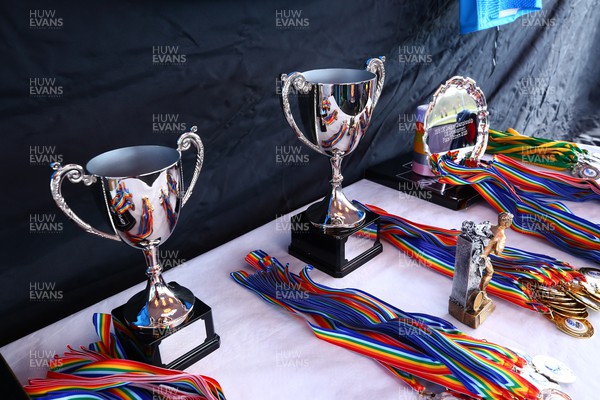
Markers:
point(336, 106)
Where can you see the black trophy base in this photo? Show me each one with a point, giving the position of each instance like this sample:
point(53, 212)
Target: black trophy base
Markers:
point(339, 252)
point(397, 174)
point(173, 348)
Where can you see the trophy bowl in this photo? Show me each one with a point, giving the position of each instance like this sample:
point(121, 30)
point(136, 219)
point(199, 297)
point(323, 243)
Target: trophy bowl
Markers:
point(141, 190)
point(335, 106)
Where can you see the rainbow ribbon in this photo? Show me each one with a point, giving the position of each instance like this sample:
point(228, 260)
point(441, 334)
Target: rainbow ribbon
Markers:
point(548, 153)
point(409, 345)
point(547, 184)
point(101, 372)
point(534, 215)
point(517, 273)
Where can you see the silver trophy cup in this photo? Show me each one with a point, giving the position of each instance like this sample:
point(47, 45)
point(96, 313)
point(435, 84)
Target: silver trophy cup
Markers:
point(336, 106)
point(142, 190)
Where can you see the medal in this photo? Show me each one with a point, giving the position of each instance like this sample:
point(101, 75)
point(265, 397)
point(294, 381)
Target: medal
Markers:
point(576, 327)
point(565, 305)
point(592, 294)
point(564, 302)
point(579, 295)
point(592, 283)
point(539, 380)
point(570, 313)
point(553, 369)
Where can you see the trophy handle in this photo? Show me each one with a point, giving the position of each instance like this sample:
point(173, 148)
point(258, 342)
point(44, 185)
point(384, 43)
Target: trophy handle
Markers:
point(184, 143)
point(75, 174)
point(300, 84)
point(375, 65)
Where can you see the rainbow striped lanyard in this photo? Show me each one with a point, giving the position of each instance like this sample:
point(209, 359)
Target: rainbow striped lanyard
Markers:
point(532, 197)
point(101, 372)
point(412, 346)
point(547, 153)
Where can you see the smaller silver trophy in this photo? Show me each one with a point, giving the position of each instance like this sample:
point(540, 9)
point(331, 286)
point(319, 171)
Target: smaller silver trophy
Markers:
point(335, 106)
point(141, 188)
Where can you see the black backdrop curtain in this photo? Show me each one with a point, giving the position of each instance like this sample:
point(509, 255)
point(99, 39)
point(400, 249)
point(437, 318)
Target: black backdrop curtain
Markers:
point(82, 78)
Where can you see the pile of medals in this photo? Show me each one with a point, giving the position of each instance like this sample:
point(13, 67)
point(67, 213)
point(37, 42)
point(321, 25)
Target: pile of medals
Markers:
point(568, 303)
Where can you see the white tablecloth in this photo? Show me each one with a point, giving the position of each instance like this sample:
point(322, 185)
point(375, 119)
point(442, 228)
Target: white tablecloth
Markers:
point(268, 354)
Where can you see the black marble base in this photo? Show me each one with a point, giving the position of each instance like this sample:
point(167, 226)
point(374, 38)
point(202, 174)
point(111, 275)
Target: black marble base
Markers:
point(190, 341)
point(337, 252)
point(397, 174)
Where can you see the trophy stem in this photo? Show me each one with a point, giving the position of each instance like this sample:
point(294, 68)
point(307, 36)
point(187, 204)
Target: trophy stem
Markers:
point(159, 305)
point(335, 211)
point(154, 269)
point(336, 171)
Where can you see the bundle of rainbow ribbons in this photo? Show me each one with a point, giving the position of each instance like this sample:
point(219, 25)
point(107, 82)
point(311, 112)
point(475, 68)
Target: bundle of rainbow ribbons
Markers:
point(101, 372)
point(409, 345)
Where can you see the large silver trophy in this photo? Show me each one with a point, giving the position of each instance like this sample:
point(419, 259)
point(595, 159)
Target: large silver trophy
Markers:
point(335, 106)
point(141, 189)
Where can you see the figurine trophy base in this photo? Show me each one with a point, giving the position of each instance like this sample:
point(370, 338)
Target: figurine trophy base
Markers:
point(335, 252)
point(398, 174)
point(173, 348)
point(470, 317)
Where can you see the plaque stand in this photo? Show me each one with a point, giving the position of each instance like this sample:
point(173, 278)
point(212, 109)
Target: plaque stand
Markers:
point(397, 174)
point(173, 348)
point(335, 252)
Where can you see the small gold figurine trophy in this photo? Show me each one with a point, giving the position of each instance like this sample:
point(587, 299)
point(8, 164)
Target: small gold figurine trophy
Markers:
point(473, 269)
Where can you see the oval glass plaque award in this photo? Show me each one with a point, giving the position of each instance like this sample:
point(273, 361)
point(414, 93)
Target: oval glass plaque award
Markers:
point(456, 122)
